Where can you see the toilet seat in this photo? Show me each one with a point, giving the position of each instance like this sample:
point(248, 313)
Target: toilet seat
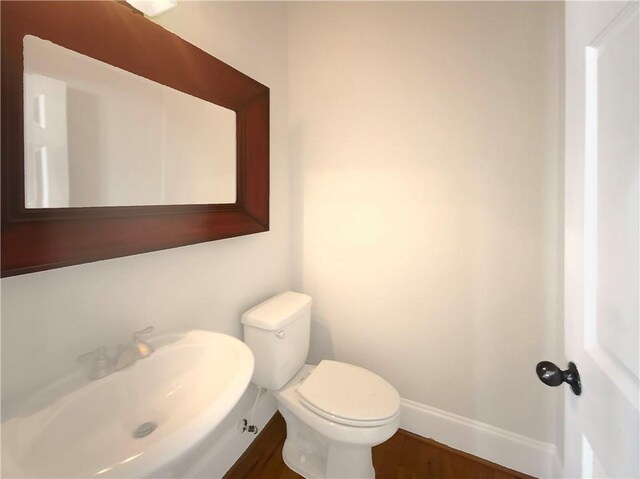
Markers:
point(350, 395)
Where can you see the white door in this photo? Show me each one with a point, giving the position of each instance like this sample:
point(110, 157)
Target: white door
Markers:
point(602, 261)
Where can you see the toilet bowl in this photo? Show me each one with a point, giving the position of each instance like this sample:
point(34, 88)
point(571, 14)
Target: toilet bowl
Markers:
point(321, 445)
point(335, 412)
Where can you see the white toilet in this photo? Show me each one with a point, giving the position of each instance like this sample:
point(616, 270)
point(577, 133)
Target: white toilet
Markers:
point(335, 412)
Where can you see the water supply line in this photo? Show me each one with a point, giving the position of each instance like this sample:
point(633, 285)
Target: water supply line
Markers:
point(247, 425)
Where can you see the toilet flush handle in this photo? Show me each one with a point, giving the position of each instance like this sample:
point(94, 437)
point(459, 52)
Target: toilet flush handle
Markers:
point(280, 334)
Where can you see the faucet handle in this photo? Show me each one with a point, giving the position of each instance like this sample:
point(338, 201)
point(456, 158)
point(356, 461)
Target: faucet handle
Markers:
point(101, 365)
point(147, 330)
point(143, 347)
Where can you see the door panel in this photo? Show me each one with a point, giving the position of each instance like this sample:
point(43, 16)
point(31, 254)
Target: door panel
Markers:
point(602, 261)
point(616, 89)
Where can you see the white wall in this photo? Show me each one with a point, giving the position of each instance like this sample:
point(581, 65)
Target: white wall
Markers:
point(427, 140)
point(49, 318)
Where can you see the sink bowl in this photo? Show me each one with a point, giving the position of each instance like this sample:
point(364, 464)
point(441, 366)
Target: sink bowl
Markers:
point(136, 420)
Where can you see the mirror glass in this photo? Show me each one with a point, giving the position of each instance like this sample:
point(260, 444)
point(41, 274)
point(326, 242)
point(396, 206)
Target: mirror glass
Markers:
point(97, 135)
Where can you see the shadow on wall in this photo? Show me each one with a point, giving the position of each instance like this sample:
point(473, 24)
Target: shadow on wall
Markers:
point(296, 136)
point(321, 343)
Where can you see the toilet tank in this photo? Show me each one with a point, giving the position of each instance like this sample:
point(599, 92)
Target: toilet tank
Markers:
point(277, 332)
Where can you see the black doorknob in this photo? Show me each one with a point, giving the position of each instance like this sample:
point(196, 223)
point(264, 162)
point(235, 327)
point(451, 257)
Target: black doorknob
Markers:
point(552, 375)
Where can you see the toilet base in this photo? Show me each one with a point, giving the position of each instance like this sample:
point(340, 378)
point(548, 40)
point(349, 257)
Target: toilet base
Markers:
point(313, 456)
point(318, 448)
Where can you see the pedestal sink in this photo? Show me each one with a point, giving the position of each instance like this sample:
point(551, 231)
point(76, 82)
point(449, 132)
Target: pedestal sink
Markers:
point(136, 420)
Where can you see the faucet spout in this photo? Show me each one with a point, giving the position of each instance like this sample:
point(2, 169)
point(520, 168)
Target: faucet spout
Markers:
point(125, 357)
point(101, 364)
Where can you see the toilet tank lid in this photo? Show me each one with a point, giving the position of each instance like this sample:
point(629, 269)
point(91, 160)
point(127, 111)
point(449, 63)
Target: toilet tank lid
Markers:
point(278, 311)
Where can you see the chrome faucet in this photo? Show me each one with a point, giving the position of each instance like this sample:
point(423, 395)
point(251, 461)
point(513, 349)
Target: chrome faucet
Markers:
point(130, 352)
point(126, 355)
point(102, 364)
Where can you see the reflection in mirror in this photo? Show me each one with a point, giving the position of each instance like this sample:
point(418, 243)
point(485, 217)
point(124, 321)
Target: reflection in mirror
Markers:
point(97, 135)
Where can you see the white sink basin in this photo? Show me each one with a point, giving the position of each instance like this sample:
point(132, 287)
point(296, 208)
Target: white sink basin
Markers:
point(185, 388)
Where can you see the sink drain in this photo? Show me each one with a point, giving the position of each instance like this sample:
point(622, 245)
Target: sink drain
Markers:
point(144, 429)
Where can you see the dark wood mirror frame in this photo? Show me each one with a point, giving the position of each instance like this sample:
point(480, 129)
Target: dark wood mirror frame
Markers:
point(40, 239)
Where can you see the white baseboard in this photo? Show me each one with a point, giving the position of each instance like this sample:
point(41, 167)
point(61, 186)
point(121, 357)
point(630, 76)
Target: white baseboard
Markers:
point(218, 453)
point(557, 468)
point(517, 452)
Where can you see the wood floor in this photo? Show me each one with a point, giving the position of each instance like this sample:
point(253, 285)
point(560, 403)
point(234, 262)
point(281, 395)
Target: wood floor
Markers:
point(404, 456)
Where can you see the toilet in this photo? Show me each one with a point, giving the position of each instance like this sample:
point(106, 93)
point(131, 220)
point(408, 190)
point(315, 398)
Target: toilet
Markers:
point(335, 412)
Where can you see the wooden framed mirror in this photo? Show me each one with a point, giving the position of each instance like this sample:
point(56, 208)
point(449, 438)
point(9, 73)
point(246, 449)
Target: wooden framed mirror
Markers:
point(54, 217)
